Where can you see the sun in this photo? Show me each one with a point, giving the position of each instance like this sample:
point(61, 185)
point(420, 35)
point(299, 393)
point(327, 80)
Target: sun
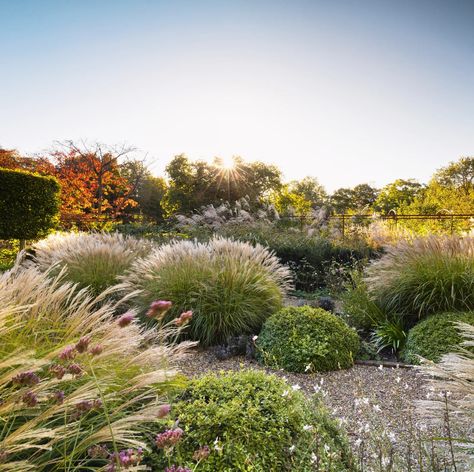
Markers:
point(226, 163)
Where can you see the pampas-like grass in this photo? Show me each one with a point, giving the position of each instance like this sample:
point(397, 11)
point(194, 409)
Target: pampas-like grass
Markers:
point(423, 276)
point(71, 377)
point(230, 286)
point(92, 259)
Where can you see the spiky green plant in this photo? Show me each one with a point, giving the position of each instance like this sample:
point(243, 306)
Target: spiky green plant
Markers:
point(73, 377)
point(424, 276)
point(230, 286)
point(92, 259)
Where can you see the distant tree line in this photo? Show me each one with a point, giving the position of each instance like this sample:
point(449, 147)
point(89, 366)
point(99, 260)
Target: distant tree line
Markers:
point(101, 183)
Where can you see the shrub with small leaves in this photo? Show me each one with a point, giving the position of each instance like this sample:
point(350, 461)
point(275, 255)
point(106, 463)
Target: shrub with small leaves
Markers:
point(435, 336)
point(305, 339)
point(250, 421)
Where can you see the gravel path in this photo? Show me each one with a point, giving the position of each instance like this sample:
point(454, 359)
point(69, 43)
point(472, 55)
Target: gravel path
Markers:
point(357, 396)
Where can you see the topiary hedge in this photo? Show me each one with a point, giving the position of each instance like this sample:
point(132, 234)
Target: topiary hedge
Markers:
point(29, 204)
point(249, 421)
point(435, 336)
point(303, 339)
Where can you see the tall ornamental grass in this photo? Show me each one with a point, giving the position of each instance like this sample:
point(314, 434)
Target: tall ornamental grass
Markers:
point(77, 385)
point(91, 259)
point(424, 276)
point(230, 286)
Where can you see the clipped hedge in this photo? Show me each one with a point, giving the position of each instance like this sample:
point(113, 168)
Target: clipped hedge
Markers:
point(304, 339)
point(435, 336)
point(252, 421)
point(29, 204)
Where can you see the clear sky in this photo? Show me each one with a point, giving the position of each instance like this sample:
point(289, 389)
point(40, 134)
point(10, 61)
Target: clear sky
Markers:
point(348, 91)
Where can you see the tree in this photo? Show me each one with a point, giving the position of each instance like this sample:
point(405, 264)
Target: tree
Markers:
point(150, 195)
point(398, 194)
point(311, 190)
point(94, 186)
point(364, 197)
point(457, 175)
point(342, 200)
point(193, 184)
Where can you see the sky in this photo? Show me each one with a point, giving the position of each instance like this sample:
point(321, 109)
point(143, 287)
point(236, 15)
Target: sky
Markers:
point(348, 91)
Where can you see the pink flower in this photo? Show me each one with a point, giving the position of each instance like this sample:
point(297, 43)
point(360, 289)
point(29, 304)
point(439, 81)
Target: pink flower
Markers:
point(85, 406)
point(183, 318)
point(83, 344)
point(164, 410)
point(125, 459)
point(126, 319)
point(96, 350)
point(158, 308)
point(177, 468)
point(30, 399)
point(68, 353)
point(26, 378)
point(58, 371)
point(201, 453)
point(168, 438)
point(98, 452)
point(75, 369)
point(58, 397)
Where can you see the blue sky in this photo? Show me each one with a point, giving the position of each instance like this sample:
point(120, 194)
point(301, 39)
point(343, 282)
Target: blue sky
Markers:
point(348, 91)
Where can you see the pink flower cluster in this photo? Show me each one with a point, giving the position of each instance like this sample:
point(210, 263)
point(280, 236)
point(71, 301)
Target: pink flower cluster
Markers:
point(201, 453)
point(126, 319)
point(177, 468)
point(26, 379)
point(124, 459)
point(158, 308)
point(183, 318)
point(169, 438)
point(85, 406)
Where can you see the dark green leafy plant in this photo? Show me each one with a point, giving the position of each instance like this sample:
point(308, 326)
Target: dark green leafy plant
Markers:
point(435, 336)
point(303, 339)
point(251, 421)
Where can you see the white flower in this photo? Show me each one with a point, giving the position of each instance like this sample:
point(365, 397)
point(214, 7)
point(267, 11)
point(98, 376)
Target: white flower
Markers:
point(377, 408)
point(292, 449)
point(254, 338)
point(314, 458)
point(217, 446)
point(308, 367)
point(380, 367)
point(317, 388)
point(296, 387)
point(398, 379)
point(307, 427)
point(285, 393)
point(358, 442)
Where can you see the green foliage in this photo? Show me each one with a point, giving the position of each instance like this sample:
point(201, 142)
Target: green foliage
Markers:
point(150, 195)
point(311, 190)
point(302, 339)
point(435, 336)
point(29, 204)
point(390, 333)
point(250, 421)
point(397, 194)
point(424, 276)
point(92, 260)
point(230, 286)
point(358, 199)
point(358, 309)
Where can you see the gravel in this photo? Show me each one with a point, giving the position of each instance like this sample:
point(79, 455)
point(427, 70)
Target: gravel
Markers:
point(357, 396)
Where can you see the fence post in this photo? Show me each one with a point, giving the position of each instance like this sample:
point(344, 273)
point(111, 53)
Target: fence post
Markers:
point(343, 227)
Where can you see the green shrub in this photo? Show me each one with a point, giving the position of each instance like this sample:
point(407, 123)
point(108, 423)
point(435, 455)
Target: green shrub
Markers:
point(358, 309)
point(424, 276)
point(435, 336)
point(230, 286)
point(93, 260)
point(73, 378)
point(29, 204)
point(302, 339)
point(251, 421)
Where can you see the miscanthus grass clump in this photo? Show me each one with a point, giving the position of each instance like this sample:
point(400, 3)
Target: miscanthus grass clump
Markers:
point(231, 286)
point(77, 384)
point(92, 260)
point(424, 276)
